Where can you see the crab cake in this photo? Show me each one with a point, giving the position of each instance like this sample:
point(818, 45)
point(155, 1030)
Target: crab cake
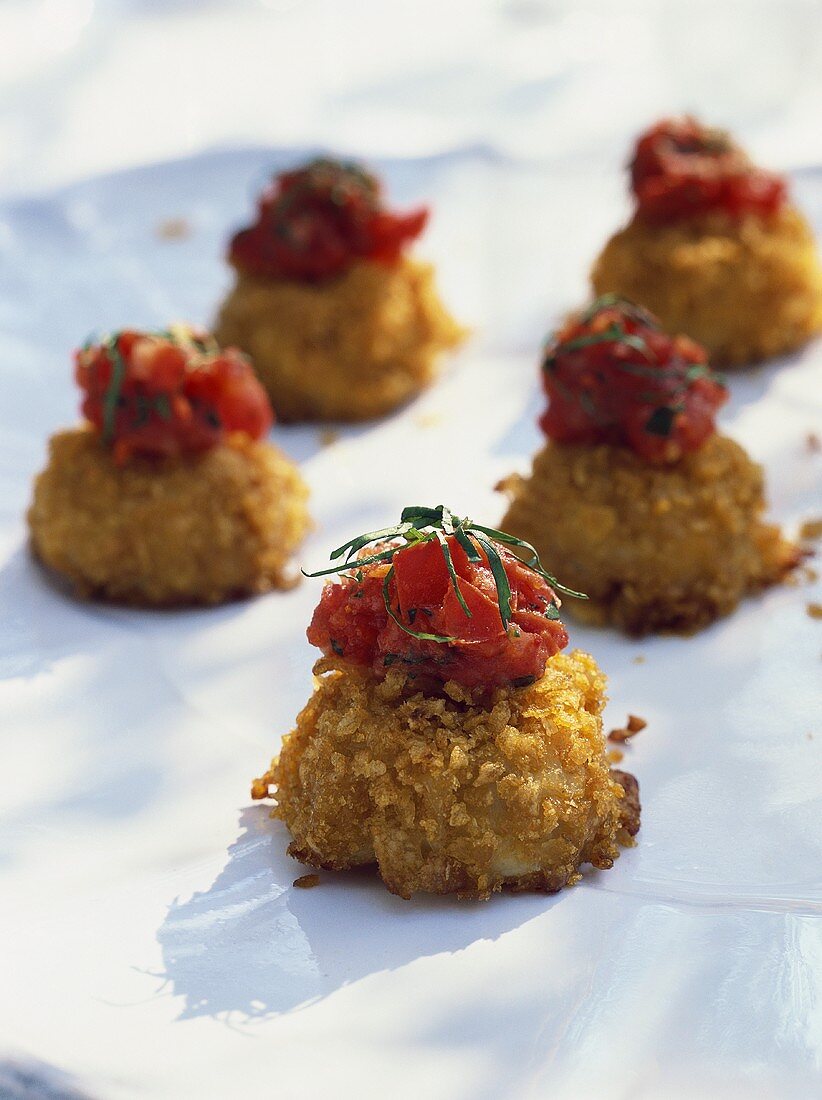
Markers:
point(656, 548)
point(340, 324)
point(714, 248)
point(168, 495)
point(660, 518)
point(351, 349)
point(449, 740)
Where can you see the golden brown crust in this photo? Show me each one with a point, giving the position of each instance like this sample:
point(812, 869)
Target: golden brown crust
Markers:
point(656, 548)
point(747, 290)
point(351, 349)
point(197, 529)
point(445, 794)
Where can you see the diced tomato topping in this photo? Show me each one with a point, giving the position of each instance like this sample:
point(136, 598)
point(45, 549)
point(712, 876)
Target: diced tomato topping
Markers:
point(681, 169)
point(485, 623)
point(353, 622)
point(315, 222)
point(168, 393)
point(613, 376)
point(421, 576)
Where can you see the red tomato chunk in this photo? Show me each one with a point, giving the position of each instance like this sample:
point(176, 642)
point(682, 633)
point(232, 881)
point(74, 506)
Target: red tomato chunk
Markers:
point(315, 222)
point(682, 169)
point(353, 622)
point(613, 376)
point(168, 393)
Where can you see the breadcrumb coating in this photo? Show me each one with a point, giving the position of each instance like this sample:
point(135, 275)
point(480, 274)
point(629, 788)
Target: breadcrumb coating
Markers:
point(351, 349)
point(746, 289)
point(447, 795)
point(656, 548)
point(168, 531)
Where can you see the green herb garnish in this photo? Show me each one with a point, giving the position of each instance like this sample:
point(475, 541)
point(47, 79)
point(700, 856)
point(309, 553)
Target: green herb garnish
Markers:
point(180, 335)
point(112, 394)
point(419, 525)
point(661, 420)
point(614, 333)
point(630, 309)
point(341, 180)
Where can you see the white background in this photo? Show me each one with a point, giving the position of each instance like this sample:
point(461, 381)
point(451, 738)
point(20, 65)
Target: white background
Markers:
point(88, 86)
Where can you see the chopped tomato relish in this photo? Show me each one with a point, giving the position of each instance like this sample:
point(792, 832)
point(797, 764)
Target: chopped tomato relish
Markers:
point(613, 376)
point(353, 621)
point(168, 393)
point(681, 168)
point(315, 222)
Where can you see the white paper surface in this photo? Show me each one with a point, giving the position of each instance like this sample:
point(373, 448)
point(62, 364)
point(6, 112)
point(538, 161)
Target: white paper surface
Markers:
point(88, 86)
point(151, 942)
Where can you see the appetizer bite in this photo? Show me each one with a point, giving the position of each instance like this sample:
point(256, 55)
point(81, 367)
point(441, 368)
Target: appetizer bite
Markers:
point(449, 739)
point(655, 515)
point(339, 322)
point(169, 494)
point(714, 248)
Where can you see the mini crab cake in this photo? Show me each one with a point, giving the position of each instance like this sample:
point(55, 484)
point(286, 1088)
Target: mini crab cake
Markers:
point(655, 516)
point(168, 495)
point(714, 248)
point(339, 323)
point(449, 740)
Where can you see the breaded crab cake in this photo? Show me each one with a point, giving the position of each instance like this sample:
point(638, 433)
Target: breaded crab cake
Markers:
point(714, 247)
point(449, 740)
point(655, 516)
point(168, 495)
point(340, 323)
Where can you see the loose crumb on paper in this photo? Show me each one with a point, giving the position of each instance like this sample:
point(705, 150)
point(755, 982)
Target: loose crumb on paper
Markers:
point(811, 530)
point(259, 789)
point(632, 727)
point(813, 443)
point(815, 610)
point(615, 755)
point(428, 420)
point(305, 882)
point(328, 436)
point(174, 229)
point(639, 659)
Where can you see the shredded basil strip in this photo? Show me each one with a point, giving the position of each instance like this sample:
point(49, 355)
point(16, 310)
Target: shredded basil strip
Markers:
point(112, 394)
point(500, 578)
point(452, 573)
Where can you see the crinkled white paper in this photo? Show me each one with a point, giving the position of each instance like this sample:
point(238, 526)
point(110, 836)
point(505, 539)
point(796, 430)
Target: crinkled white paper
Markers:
point(151, 943)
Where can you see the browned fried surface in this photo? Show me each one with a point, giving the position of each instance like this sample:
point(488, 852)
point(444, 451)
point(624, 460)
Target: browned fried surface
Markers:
point(655, 548)
point(746, 290)
point(811, 530)
point(198, 529)
point(448, 796)
point(351, 349)
point(630, 809)
point(632, 727)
